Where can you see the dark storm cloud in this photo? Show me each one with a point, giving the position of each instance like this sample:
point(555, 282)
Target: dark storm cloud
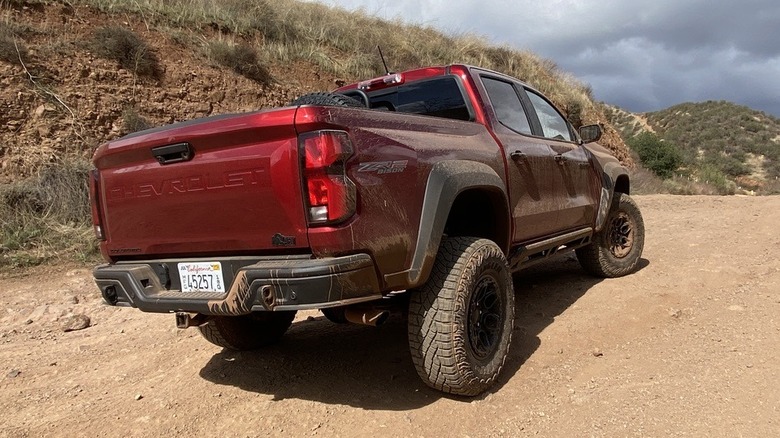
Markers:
point(642, 55)
point(679, 26)
point(749, 26)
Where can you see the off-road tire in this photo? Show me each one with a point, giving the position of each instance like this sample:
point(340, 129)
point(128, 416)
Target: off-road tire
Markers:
point(461, 319)
point(335, 314)
point(327, 99)
point(247, 332)
point(616, 249)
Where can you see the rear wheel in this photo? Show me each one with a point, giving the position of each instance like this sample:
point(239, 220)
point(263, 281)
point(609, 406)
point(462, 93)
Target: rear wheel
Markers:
point(460, 320)
point(616, 249)
point(246, 332)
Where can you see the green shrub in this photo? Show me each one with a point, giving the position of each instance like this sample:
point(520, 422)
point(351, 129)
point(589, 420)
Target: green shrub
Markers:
point(11, 48)
point(241, 58)
point(733, 167)
point(132, 121)
point(125, 47)
point(711, 175)
point(662, 157)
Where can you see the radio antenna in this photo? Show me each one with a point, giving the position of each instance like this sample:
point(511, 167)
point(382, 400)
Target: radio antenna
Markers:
point(387, 70)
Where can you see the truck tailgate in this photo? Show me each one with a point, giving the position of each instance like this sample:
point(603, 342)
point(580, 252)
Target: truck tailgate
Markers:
point(224, 185)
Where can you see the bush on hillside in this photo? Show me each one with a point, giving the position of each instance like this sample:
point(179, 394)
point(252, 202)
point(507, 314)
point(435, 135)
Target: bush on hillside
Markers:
point(133, 121)
point(711, 175)
point(130, 51)
point(730, 165)
point(241, 58)
point(10, 46)
point(662, 157)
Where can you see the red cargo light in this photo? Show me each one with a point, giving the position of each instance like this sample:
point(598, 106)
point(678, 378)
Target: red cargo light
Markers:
point(330, 194)
point(381, 82)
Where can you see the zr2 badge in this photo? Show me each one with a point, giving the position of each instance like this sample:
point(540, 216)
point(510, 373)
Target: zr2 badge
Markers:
point(381, 167)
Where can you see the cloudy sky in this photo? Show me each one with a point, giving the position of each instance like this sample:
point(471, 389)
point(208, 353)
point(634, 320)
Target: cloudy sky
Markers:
point(643, 55)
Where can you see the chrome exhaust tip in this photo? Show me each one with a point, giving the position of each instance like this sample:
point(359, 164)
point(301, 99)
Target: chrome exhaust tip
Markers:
point(185, 320)
point(364, 316)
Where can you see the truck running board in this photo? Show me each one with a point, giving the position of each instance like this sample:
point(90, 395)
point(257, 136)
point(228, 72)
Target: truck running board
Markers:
point(525, 255)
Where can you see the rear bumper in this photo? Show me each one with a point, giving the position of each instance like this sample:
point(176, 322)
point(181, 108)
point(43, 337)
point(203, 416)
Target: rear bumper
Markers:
point(291, 283)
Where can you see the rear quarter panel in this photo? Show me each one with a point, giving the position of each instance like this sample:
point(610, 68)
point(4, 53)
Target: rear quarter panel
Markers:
point(393, 158)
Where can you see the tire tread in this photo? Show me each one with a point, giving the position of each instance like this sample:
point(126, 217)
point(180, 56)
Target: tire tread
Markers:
point(596, 258)
point(436, 341)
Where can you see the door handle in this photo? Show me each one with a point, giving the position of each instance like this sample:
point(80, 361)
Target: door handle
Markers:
point(173, 153)
point(560, 159)
point(517, 156)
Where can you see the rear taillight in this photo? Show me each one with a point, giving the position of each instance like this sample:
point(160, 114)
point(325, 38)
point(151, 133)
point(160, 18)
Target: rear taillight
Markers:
point(94, 200)
point(330, 194)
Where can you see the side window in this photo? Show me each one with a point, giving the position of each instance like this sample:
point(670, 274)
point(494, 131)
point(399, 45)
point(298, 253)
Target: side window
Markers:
point(553, 125)
point(507, 105)
point(437, 97)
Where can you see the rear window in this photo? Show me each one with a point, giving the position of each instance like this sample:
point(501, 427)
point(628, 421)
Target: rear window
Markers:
point(439, 97)
point(506, 104)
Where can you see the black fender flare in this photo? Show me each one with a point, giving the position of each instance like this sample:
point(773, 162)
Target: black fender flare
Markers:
point(614, 176)
point(446, 181)
point(611, 172)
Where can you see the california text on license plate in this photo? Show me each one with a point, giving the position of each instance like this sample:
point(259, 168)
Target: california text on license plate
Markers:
point(201, 277)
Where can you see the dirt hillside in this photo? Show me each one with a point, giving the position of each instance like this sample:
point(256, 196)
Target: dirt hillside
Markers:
point(61, 99)
point(687, 346)
point(66, 100)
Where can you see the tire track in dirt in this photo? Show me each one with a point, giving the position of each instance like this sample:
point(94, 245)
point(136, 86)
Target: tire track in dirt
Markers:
point(688, 345)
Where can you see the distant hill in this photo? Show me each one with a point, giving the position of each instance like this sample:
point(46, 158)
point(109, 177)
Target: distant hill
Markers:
point(741, 143)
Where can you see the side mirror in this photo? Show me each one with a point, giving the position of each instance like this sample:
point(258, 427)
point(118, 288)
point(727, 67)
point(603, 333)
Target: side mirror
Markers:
point(590, 133)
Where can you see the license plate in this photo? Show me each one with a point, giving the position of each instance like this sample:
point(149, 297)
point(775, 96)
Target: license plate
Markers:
point(201, 277)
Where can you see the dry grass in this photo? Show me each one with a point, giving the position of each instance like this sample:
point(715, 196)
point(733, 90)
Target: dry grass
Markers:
point(645, 182)
point(703, 182)
point(772, 187)
point(344, 43)
point(46, 217)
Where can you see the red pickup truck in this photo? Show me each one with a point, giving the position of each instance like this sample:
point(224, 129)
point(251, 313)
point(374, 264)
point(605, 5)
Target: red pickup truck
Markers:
point(421, 191)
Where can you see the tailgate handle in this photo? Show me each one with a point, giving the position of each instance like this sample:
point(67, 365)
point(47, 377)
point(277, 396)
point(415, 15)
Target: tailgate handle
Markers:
point(173, 153)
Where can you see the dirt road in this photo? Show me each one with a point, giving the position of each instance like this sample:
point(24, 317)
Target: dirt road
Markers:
point(689, 345)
